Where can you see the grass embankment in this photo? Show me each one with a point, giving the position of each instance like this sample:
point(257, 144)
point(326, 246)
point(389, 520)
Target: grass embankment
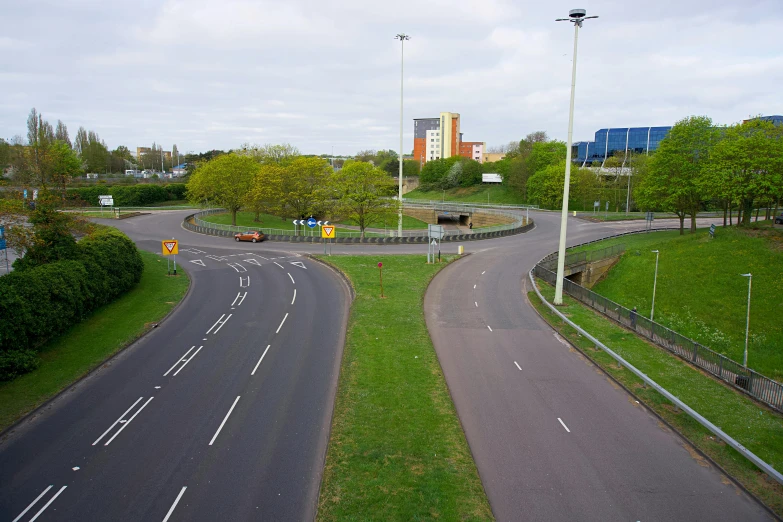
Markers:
point(397, 450)
point(247, 220)
point(498, 194)
point(635, 216)
point(700, 292)
point(88, 344)
point(756, 427)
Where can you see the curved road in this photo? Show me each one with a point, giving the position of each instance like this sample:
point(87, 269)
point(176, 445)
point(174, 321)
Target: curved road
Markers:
point(222, 413)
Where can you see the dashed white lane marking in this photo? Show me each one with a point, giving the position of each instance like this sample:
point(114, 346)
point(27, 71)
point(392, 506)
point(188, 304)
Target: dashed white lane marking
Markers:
point(294, 299)
point(188, 360)
point(520, 368)
point(490, 328)
point(563, 423)
point(259, 361)
point(118, 420)
point(32, 503)
point(474, 287)
point(484, 272)
point(224, 420)
point(176, 501)
point(292, 278)
point(281, 323)
point(239, 294)
point(278, 264)
point(476, 303)
point(221, 324)
point(180, 360)
point(47, 504)
point(216, 323)
point(126, 424)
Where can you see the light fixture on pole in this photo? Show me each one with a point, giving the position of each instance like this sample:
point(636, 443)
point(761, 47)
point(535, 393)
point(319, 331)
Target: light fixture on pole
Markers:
point(655, 282)
point(747, 321)
point(575, 16)
point(401, 37)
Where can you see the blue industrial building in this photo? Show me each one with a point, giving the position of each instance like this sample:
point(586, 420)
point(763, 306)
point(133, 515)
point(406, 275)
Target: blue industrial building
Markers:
point(639, 140)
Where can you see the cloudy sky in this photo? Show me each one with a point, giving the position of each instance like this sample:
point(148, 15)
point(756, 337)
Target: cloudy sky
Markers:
point(319, 74)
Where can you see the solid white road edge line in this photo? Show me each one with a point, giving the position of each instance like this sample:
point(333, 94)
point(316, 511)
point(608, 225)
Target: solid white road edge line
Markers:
point(520, 368)
point(224, 420)
point(32, 503)
point(224, 322)
point(176, 501)
point(281, 323)
point(294, 299)
point(490, 328)
point(292, 278)
point(129, 421)
point(278, 264)
point(216, 322)
point(563, 423)
point(189, 359)
point(47, 504)
point(180, 360)
point(118, 420)
point(261, 359)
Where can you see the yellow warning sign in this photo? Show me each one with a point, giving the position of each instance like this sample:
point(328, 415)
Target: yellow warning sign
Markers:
point(327, 231)
point(170, 247)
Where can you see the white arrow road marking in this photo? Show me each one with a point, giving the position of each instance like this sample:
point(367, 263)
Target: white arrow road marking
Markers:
point(45, 505)
point(281, 323)
point(224, 420)
point(563, 423)
point(299, 264)
point(176, 501)
point(243, 283)
point(252, 261)
point(261, 359)
point(32, 503)
point(198, 262)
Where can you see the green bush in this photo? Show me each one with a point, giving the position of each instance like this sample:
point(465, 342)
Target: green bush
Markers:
point(41, 302)
point(17, 362)
point(129, 195)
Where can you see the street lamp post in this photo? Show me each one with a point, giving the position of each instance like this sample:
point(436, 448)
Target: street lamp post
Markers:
point(401, 37)
point(655, 282)
point(747, 320)
point(575, 16)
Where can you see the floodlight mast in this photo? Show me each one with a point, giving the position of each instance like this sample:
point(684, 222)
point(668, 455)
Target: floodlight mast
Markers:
point(576, 17)
point(401, 37)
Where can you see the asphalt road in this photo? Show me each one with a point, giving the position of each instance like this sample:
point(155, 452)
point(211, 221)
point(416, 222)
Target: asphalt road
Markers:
point(221, 413)
point(552, 437)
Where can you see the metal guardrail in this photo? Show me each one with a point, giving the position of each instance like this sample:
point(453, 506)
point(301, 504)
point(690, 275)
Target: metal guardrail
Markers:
point(587, 256)
point(761, 464)
point(430, 203)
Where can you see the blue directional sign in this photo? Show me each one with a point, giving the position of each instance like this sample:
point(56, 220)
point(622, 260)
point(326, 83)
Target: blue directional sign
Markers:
point(25, 193)
point(2, 238)
point(312, 222)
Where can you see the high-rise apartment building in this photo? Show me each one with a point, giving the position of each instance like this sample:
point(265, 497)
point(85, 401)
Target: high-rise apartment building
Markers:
point(440, 138)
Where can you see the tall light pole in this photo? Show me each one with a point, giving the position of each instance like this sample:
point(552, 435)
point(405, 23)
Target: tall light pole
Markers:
point(401, 37)
point(655, 282)
point(575, 16)
point(747, 321)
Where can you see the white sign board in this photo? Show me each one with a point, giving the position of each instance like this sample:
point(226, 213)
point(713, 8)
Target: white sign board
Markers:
point(435, 231)
point(491, 178)
point(106, 201)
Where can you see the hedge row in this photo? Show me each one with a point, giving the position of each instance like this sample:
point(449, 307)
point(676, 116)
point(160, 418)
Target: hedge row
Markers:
point(39, 303)
point(129, 195)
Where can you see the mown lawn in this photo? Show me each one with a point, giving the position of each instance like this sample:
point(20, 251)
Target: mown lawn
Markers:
point(700, 292)
point(756, 427)
point(88, 344)
point(397, 450)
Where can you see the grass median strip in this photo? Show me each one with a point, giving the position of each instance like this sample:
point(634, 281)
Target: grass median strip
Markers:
point(89, 343)
point(397, 450)
point(756, 427)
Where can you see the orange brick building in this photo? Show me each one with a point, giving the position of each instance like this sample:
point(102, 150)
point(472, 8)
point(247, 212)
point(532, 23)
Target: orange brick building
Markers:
point(440, 138)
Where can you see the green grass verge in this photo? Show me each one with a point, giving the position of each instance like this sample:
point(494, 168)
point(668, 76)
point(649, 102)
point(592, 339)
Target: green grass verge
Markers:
point(88, 344)
point(700, 292)
point(498, 194)
point(246, 219)
point(397, 450)
point(633, 216)
point(756, 427)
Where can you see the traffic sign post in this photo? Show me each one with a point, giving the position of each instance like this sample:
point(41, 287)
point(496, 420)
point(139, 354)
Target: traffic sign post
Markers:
point(380, 274)
point(3, 247)
point(327, 233)
point(170, 247)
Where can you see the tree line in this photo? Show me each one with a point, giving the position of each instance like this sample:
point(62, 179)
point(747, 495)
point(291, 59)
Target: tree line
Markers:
point(276, 179)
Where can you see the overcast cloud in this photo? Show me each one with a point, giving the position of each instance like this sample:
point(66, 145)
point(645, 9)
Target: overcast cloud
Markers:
point(210, 74)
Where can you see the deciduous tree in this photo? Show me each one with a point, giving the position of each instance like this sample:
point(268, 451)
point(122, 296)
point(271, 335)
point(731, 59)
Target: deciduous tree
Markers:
point(361, 193)
point(225, 181)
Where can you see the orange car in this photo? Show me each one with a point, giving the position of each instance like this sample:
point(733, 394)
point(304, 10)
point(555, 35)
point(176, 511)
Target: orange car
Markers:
point(251, 235)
